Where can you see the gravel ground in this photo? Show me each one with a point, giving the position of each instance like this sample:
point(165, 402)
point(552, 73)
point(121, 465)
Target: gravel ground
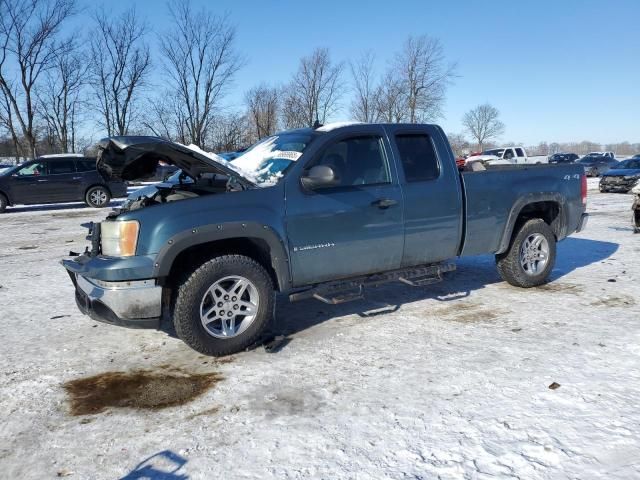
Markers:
point(448, 381)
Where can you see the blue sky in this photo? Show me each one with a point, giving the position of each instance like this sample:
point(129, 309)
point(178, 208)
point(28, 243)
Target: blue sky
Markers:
point(557, 70)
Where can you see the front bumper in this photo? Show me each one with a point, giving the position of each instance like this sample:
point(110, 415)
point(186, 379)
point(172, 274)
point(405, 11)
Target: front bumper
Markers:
point(133, 304)
point(615, 183)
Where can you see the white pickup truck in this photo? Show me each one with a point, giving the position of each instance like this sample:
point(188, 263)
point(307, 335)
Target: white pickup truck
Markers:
point(503, 156)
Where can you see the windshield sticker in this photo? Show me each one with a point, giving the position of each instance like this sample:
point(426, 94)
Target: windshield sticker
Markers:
point(287, 155)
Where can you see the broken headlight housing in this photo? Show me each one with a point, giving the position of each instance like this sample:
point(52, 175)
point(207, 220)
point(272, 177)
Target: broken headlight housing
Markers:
point(119, 238)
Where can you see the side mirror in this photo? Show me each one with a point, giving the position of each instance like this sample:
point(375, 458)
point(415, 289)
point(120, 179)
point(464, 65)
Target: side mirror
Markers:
point(320, 176)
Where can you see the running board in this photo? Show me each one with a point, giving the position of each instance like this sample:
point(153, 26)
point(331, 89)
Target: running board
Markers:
point(349, 290)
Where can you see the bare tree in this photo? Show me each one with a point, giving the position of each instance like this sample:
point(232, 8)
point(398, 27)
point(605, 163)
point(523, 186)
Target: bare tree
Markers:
point(292, 111)
point(425, 77)
point(363, 106)
point(483, 124)
point(164, 118)
point(262, 105)
point(390, 99)
point(120, 65)
point(201, 60)
point(230, 132)
point(59, 98)
point(6, 121)
point(315, 90)
point(459, 144)
point(28, 46)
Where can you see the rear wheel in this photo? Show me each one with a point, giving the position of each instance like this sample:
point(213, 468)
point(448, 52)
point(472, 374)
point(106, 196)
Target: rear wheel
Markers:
point(3, 203)
point(224, 305)
point(97, 197)
point(531, 255)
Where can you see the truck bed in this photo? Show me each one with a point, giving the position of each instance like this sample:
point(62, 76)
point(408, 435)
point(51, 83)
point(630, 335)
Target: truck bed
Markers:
point(494, 197)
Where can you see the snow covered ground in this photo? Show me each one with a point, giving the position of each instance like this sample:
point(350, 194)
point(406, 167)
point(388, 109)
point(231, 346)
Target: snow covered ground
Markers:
point(447, 381)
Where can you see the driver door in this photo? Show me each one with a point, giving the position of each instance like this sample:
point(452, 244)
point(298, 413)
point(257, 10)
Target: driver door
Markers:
point(29, 184)
point(354, 227)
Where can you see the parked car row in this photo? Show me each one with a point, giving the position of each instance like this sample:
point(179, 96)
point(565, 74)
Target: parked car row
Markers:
point(57, 179)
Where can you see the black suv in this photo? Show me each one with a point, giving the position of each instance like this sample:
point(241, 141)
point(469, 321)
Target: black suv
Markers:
point(563, 158)
point(57, 178)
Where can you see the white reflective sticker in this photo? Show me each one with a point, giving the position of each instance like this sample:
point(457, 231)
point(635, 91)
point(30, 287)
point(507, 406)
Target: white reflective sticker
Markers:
point(287, 155)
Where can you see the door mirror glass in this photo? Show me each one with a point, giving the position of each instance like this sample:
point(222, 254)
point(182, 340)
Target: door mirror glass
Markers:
point(320, 176)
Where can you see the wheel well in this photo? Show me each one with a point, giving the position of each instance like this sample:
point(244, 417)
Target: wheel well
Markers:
point(97, 185)
point(549, 211)
point(6, 196)
point(194, 256)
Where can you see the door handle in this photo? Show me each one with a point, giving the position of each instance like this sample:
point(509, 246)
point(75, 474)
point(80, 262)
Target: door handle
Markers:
point(384, 203)
point(41, 180)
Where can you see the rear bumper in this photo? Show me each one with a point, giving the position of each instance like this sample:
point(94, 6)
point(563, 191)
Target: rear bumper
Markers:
point(133, 304)
point(584, 218)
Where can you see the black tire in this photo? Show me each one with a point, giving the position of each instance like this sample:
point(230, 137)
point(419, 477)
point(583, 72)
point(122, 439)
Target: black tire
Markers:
point(509, 264)
point(192, 290)
point(97, 197)
point(3, 203)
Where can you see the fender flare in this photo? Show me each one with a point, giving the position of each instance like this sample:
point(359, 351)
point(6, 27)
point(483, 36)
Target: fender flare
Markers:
point(520, 204)
point(210, 233)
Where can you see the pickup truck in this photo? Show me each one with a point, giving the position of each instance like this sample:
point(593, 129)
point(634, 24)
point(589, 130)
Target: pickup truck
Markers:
point(502, 156)
point(309, 213)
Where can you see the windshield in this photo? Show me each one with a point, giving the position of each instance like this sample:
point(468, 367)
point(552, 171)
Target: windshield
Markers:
point(497, 152)
point(266, 161)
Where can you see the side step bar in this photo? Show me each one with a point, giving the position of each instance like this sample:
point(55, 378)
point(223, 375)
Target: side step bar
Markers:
point(352, 289)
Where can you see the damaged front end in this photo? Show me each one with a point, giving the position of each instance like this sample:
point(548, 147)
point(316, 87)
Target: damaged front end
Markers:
point(137, 157)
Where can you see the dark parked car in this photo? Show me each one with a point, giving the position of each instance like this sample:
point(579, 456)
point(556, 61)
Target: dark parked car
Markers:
point(57, 178)
point(596, 165)
point(622, 178)
point(563, 158)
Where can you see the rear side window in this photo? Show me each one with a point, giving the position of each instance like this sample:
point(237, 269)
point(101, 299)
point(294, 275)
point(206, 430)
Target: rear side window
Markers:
point(418, 156)
point(86, 164)
point(61, 166)
point(519, 152)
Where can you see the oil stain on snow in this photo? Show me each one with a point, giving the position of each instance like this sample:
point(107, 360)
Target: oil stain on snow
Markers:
point(137, 389)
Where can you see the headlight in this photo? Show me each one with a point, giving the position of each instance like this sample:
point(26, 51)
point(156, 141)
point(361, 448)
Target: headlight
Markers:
point(631, 177)
point(119, 239)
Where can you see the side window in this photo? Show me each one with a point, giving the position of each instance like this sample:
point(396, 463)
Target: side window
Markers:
point(57, 167)
point(519, 152)
point(86, 164)
point(35, 169)
point(357, 161)
point(418, 156)
point(508, 154)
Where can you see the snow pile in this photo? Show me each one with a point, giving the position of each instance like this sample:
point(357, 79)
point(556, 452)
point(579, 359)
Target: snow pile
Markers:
point(332, 126)
point(262, 164)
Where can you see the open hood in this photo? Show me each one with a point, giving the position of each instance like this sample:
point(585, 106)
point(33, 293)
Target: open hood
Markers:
point(134, 157)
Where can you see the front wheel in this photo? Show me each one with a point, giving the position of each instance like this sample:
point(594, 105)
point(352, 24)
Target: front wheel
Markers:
point(224, 305)
point(97, 197)
point(531, 255)
point(3, 203)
